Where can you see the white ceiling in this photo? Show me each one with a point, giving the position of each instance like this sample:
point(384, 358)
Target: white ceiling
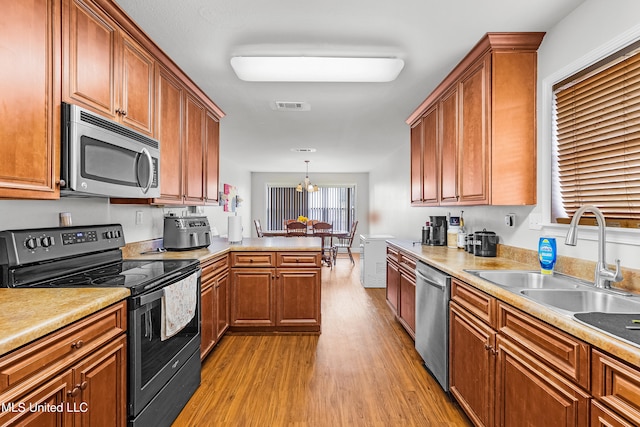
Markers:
point(352, 126)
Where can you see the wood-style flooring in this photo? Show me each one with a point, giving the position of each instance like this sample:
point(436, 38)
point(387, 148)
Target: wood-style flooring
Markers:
point(362, 370)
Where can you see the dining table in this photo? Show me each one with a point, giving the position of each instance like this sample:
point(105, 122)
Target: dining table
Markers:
point(326, 257)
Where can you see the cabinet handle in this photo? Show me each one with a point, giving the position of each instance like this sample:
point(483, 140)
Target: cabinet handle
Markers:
point(73, 393)
point(490, 348)
point(78, 344)
point(83, 386)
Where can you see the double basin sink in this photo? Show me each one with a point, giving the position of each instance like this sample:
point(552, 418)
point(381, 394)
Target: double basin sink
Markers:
point(567, 295)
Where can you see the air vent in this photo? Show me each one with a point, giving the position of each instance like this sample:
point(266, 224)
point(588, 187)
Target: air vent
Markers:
point(303, 150)
point(291, 106)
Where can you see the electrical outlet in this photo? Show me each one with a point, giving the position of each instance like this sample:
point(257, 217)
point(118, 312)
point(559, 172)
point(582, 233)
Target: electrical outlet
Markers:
point(139, 217)
point(510, 220)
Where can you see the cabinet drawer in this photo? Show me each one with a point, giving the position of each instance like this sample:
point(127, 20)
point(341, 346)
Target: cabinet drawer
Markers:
point(212, 268)
point(253, 259)
point(601, 416)
point(616, 384)
point(476, 302)
point(62, 348)
point(299, 259)
point(409, 263)
point(393, 254)
point(563, 353)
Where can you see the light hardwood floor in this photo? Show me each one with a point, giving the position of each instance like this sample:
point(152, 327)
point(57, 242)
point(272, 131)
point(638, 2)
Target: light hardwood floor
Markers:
point(361, 371)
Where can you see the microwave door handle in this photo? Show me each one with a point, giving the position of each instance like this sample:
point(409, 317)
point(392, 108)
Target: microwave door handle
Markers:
point(146, 153)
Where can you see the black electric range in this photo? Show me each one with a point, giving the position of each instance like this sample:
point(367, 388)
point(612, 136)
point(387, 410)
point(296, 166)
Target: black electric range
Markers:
point(81, 256)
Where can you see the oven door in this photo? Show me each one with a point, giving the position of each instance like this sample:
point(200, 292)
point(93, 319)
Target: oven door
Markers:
point(153, 363)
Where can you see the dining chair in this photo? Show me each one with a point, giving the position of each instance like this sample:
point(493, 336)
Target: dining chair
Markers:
point(345, 242)
point(296, 228)
point(256, 222)
point(324, 230)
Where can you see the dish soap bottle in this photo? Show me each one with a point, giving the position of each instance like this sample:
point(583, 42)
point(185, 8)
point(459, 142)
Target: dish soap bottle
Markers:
point(547, 254)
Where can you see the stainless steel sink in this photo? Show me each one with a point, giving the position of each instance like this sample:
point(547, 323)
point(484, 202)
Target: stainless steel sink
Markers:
point(584, 300)
point(528, 279)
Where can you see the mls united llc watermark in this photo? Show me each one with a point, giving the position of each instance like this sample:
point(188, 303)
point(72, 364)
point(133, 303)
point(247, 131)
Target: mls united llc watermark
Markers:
point(20, 407)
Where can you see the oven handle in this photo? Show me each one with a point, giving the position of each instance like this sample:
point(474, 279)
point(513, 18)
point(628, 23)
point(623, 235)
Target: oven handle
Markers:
point(150, 297)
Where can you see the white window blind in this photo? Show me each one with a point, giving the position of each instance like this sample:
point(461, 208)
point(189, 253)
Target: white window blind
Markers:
point(335, 205)
point(597, 140)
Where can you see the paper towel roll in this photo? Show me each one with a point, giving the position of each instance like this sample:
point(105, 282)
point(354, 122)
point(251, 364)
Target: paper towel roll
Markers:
point(235, 228)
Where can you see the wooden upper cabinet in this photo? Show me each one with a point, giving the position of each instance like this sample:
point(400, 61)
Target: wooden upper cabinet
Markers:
point(212, 156)
point(448, 122)
point(104, 69)
point(416, 162)
point(487, 123)
point(194, 139)
point(29, 147)
point(169, 110)
point(473, 141)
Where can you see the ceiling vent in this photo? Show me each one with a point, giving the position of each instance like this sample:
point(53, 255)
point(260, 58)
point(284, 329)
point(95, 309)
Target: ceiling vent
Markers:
point(291, 106)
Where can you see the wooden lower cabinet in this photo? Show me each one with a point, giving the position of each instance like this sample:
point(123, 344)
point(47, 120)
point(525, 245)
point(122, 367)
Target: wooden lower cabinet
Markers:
point(529, 393)
point(601, 416)
point(214, 303)
point(276, 298)
point(76, 376)
point(472, 365)
point(615, 386)
point(401, 288)
point(510, 369)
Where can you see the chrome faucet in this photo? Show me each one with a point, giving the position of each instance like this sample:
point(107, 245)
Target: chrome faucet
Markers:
point(603, 276)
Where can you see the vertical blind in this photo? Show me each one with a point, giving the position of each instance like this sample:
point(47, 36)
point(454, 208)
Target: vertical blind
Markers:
point(597, 140)
point(335, 205)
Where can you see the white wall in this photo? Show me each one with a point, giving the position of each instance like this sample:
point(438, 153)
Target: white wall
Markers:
point(260, 180)
point(594, 30)
point(16, 214)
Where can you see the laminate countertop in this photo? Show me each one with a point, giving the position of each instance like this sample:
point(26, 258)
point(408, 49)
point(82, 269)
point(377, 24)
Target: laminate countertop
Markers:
point(29, 314)
point(455, 261)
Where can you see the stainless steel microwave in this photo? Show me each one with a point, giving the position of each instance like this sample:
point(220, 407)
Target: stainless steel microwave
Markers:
point(104, 158)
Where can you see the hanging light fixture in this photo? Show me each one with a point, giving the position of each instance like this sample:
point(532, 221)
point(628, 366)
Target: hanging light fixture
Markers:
point(307, 183)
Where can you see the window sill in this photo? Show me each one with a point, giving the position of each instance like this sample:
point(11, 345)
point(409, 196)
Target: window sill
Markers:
point(627, 236)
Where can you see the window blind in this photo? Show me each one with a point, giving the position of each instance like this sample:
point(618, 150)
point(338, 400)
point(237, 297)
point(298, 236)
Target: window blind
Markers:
point(597, 137)
point(335, 205)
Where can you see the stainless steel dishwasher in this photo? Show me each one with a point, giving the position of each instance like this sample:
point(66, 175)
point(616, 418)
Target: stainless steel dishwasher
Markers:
point(433, 290)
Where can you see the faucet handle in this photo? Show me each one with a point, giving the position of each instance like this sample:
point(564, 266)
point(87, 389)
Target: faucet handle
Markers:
point(618, 273)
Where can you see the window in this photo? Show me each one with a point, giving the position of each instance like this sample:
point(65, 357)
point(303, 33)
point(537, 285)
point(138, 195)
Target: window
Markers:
point(596, 153)
point(335, 205)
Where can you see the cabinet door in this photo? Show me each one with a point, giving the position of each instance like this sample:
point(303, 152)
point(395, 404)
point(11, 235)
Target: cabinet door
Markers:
point(169, 105)
point(222, 302)
point(90, 52)
point(416, 162)
point(601, 416)
point(29, 145)
point(17, 410)
point(253, 297)
point(298, 297)
point(101, 384)
point(212, 146)
point(207, 324)
point(430, 157)
point(449, 147)
point(137, 90)
point(194, 150)
point(472, 365)
point(473, 149)
point(393, 286)
point(528, 393)
point(407, 307)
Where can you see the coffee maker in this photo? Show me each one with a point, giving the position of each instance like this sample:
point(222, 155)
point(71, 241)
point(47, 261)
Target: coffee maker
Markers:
point(435, 232)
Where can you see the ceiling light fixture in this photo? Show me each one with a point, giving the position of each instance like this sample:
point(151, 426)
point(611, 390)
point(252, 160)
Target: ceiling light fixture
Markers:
point(307, 183)
point(316, 69)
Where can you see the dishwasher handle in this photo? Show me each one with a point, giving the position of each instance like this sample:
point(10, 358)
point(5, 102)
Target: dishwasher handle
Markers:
point(429, 282)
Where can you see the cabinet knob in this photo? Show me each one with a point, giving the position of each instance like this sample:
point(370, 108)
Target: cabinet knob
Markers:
point(83, 386)
point(78, 344)
point(73, 393)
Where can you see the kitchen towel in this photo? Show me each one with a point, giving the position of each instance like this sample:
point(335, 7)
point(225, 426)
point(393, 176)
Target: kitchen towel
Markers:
point(235, 229)
point(178, 306)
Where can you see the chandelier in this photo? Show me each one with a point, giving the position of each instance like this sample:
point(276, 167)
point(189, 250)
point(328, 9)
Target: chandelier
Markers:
point(307, 183)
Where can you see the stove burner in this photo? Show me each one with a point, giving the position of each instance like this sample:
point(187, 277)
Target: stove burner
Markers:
point(70, 282)
point(119, 280)
point(105, 271)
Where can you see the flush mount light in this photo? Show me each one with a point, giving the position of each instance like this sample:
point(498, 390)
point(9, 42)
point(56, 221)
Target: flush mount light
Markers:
point(315, 69)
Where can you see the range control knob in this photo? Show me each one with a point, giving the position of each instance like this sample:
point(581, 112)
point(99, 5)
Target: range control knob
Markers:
point(109, 235)
point(46, 241)
point(31, 243)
